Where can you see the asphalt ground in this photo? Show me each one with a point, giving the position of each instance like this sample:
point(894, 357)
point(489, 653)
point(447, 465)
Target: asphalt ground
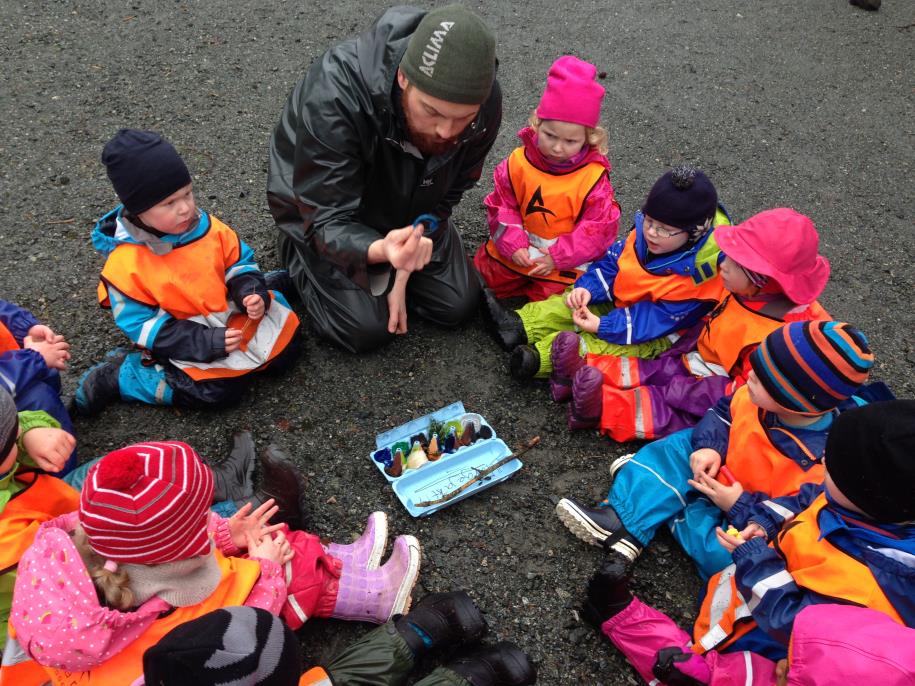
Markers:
point(806, 104)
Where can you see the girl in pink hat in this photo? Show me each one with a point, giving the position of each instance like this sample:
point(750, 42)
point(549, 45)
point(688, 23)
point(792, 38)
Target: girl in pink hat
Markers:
point(144, 553)
point(553, 209)
point(772, 273)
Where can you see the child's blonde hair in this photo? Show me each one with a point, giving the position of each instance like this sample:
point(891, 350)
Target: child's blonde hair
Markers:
point(113, 587)
point(596, 137)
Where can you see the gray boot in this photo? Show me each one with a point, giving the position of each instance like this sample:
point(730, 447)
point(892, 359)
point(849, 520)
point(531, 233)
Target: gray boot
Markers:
point(280, 480)
point(233, 478)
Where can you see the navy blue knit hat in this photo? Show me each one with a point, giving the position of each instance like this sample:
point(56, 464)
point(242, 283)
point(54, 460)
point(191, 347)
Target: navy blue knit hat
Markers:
point(144, 168)
point(683, 197)
point(811, 367)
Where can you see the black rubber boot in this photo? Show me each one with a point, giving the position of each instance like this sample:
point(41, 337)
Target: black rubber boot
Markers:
point(503, 324)
point(99, 386)
point(524, 362)
point(503, 664)
point(608, 592)
point(441, 619)
point(280, 480)
point(233, 478)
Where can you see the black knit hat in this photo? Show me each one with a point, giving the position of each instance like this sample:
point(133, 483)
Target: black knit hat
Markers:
point(870, 456)
point(9, 423)
point(452, 56)
point(144, 168)
point(683, 197)
point(239, 645)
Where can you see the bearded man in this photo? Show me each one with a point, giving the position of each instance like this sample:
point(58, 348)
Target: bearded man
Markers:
point(382, 129)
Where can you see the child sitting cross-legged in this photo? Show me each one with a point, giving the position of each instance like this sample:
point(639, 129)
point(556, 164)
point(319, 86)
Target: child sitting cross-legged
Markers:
point(144, 554)
point(849, 540)
point(764, 441)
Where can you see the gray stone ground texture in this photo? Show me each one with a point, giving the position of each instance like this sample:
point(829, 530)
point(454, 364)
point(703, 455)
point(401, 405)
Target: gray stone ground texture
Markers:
point(806, 104)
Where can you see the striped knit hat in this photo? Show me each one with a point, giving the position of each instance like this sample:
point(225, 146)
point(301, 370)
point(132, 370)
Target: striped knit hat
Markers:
point(148, 504)
point(811, 367)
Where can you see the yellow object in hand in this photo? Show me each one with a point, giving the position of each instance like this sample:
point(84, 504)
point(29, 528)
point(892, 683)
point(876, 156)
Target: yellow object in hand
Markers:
point(732, 531)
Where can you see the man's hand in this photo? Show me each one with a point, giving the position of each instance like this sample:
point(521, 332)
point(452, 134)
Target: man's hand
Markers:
point(53, 349)
point(49, 447)
point(578, 298)
point(254, 306)
point(404, 248)
point(723, 496)
point(542, 266)
point(233, 340)
point(586, 320)
point(704, 461)
point(397, 304)
point(522, 257)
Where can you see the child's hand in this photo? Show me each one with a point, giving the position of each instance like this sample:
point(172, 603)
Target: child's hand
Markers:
point(578, 298)
point(730, 543)
point(542, 266)
point(723, 496)
point(43, 332)
point(256, 523)
point(586, 320)
point(254, 305)
point(233, 340)
point(49, 447)
point(397, 304)
point(704, 461)
point(54, 349)
point(522, 257)
point(269, 548)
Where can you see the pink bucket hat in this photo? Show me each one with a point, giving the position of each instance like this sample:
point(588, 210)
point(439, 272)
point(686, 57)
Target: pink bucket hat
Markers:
point(571, 93)
point(782, 244)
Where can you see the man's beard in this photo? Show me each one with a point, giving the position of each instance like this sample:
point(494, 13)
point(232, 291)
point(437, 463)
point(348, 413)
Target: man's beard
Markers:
point(430, 146)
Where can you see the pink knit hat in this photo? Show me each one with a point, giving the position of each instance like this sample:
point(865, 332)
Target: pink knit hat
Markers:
point(148, 504)
point(782, 244)
point(571, 93)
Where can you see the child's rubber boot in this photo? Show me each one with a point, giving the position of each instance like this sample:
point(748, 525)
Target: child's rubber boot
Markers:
point(503, 664)
point(233, 478)
point(608, 592)
point(376, 595)
point(99, 386)
point(366, 551)
point(598, 526)
point(587, 399)
point(280, 480)
point(524, 362)
point(503, 324)
point(565, 356)
point(676, 667)
point(441, 620)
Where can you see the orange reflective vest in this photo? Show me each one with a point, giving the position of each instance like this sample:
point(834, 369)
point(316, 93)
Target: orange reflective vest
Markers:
point(813, 563)
point(732, 326)
point(43, 498)
point(189, 283)
point(551, 205)
point(756, 462)
point(315, 676)
point(634, 283)
point(7, 340)
point(238, 578)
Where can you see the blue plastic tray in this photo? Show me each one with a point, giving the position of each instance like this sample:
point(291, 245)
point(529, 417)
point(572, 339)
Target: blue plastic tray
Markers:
point(435, 479)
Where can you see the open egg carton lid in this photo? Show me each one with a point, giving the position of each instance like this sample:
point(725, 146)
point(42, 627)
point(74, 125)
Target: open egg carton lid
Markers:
point(432, 486)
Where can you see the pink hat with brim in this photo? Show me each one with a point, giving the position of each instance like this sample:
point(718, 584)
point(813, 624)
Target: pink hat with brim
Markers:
point(782, 244)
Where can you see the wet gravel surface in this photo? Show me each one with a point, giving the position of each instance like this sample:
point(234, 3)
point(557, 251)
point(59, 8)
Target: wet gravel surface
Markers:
point(805, 104)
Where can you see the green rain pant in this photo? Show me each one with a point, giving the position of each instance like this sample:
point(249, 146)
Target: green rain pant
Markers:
point(382, 658)
point(544, 319)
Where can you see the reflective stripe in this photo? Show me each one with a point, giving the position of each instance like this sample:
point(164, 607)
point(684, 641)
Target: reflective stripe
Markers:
point(715, 636)
point(236, 270)
point(161, 389)
point(760, 588)
point(149, 325)
point(782, 512)
point(748, 668)
point(699, 366)
point(639, 415)
point(626, 371)
point(603, 283)
point(628, 326)
point(116, 298)
point(13, 653)
point(299, 612)
point(8, 382)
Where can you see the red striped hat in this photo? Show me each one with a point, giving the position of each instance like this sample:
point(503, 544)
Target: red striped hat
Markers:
point(148, 504)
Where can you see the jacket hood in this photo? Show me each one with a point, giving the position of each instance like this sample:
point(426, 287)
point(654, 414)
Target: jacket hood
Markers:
point(686, 262)
point(58, 618)
point(113, 229)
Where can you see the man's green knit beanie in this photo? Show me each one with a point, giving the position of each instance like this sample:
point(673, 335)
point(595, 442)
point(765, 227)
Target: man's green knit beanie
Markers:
point(452, 56)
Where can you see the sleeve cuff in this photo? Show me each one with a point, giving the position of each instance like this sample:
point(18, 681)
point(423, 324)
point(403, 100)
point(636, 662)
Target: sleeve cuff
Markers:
point(749, 549)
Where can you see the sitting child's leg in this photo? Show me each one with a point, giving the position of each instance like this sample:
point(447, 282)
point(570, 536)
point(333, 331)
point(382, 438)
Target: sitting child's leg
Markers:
point(694, 530)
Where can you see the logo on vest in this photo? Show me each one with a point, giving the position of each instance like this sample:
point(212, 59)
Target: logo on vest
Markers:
point(537, 206)
point(433, 47)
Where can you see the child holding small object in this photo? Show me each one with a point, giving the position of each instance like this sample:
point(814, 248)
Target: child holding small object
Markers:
point(770, 434)
point(138, 558)
point(182, 286)
point(773, 274)
point(849, 540)
point(659, 280)
point(552, 210)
